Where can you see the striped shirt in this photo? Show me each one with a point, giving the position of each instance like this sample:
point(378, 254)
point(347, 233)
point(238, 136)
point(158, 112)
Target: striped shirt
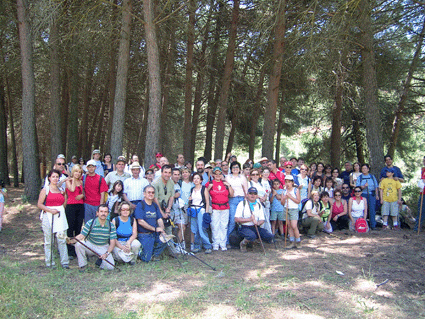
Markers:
point(99, 235)
point(133, 187)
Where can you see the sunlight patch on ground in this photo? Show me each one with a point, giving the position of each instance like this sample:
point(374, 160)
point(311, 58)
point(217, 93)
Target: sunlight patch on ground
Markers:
point(293, 314)
point(160, 292)
point(363, 285)
point(219, 311)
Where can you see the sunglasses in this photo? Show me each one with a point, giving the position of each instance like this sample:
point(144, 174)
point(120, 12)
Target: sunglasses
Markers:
point(288, 166)
point(125, 209)
point(346, 188)
point(150, 173)
point(337, 195)
point(254, 174)
point(357, 191)
point(151, 192)
point(252, 193)
point(60, 164)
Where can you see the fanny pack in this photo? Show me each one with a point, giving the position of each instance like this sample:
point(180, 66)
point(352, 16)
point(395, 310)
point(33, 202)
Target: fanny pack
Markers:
point(193, 211)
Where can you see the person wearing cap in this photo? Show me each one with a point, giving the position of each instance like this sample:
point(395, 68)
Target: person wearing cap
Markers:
point(94, 187)
point(134, 185)
point(276, 174)
point(61, 167)
point(118, 174)
point(74, 161)
point(290, 199)
point(398, 176)
point(180, 161)
point(158, 157)
point(264, 162)
point(99, 167)
point(150, 175)
point(219, 190)
point(127, 168)
point(249, 214)
point(390, 191)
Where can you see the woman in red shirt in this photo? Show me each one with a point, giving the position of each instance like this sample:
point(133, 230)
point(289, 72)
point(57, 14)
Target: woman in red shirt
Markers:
point(52, 201)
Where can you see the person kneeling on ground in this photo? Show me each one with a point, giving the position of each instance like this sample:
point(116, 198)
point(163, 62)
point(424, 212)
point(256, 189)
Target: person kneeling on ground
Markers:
point(312, 215)
point(249, 213)
point(127, 246)
point(100, 235)
point(149, 226)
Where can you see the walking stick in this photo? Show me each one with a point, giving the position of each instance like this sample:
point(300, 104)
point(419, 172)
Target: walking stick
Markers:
point(256, 228)
point(286, 222)
point(420, 212)
point(68, 241)
point(171, 250)
point(52, 242)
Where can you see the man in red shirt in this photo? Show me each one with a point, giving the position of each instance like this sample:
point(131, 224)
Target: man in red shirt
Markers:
point(421, 185)
point(95, 188)
point(275, 173)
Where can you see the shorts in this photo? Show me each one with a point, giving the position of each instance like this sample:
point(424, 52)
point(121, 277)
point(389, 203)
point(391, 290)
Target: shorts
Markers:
point(293, 214)
point(389, 208)
point(178, 217)
point(277, 216)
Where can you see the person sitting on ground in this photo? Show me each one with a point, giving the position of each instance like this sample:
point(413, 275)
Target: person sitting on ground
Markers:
point(127, 246)
point(150, 226)
point(312, 213)
point(390, 191)
point(338, 218)
point(291, 197)
point(346, 192)
point(116, 196)
point(357, 208)
point(249, 213)
point(100, 235)
point(325, 201)
point(316, 186)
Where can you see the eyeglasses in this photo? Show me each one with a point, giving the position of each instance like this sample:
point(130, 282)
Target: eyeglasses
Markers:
point(345, 187)
point(288, 166)
point(60, 164)
point(151, 192)
point(125, 209)
point(357, 191)
point(254, 174)
point(302, 169)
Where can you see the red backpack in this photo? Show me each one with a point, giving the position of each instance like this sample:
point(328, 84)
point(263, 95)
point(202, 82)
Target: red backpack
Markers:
point(361, 225)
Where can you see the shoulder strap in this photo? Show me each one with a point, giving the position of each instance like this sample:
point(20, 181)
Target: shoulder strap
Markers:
point(91, 227)
point(117, 222)
point(100, 182)
point(84, 182)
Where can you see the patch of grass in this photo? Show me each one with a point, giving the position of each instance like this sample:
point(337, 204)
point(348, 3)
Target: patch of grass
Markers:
point(368, 275)
point(365, 308)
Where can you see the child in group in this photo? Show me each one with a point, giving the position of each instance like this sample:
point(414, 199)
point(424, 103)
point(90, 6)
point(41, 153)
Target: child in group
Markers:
point(3, 193)
point(390, 190)
point(329, 187)
point(276, 215)
point(115, 197)
point(291, 197)
point(317, 182)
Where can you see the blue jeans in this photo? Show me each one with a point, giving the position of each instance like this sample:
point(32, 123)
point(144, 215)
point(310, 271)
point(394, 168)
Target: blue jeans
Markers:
point(151, 245)
point(89, 212)
point(423, 213)
point(233, 203)
point(201, 235)
point(250, 233)
point(371, 208)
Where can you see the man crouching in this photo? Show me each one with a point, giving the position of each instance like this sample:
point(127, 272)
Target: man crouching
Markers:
point(250, 214)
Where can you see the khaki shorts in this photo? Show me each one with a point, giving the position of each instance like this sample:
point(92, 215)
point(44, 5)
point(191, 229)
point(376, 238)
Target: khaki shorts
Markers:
point(293, 213)
point(277, 216)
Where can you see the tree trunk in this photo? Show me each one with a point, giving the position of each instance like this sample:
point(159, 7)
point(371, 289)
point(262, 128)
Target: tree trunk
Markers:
point(212, 94)
point(373, 119)
point(55, 107)
point(269, 128)
point(121, 85)
point(154, 121)
point(65, 99)
point(187, 127)
point(403, 98)
point(4, 171)
point(72, 124)
point(30, 160)
point(358, 137)
point(224, 92)
point(231, 139)
point(279, 131)
point(255, 116)
point(15, 170)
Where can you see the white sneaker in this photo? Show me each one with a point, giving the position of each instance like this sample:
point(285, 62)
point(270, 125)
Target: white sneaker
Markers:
point(223, 248)
point(215, 248)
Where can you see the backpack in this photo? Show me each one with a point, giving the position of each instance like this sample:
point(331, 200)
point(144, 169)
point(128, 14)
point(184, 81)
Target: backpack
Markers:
point(302, 212)
point(375, 183)
point(92, 224)
point(361, 225)
point(84, 182)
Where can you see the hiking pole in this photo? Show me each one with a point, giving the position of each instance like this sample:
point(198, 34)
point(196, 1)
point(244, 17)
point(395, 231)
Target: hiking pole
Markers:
point(68, 240)
point(194, 256)
point(256, 228)
point(420, 211)
point(286, 222)
point(52, 242)
point(171, 250)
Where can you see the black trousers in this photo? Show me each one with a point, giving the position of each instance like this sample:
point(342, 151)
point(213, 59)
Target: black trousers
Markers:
point(75, 216)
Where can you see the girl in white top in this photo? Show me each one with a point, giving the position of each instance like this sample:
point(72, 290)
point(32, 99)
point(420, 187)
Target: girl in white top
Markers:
point(263, 197)
point(290, 199)
point(357, 207)
point(355, 174)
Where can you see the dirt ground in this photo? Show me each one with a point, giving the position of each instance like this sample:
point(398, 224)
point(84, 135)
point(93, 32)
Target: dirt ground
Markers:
point(346, 275)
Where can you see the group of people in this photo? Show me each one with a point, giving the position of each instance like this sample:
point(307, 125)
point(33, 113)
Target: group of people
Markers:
point(131, 212)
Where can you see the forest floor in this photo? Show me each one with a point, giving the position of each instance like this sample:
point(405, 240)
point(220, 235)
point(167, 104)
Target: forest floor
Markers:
point(330, 277)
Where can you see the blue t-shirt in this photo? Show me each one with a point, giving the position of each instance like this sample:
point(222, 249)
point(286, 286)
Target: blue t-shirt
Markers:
point(371, 182)
point(149, 213)
point(276, 204)
point(397, 172)
point(124, 230)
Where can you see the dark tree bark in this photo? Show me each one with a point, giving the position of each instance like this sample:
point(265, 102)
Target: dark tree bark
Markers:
point(121, 85)
point(55, 107)
point(358, 137)
point(370, 87)
point(72, 124)
point(154, 121)
point(227, 74)
point(279, 131)
point(15, 170)
point(187, 126)
point(65, 99)
point(269, 128)
point(255, 117)
point(4, 171)
point(231, 139)
point(212, 94)
point(404, 94)
point(30, 160)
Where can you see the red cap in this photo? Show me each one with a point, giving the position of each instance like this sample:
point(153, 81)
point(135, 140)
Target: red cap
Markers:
point(159, 154)
point(287, 163)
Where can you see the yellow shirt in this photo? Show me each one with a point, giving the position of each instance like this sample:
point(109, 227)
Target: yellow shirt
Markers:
point(390, 189)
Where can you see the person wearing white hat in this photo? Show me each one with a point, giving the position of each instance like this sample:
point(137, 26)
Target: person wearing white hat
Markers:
point(134, 185)
point(99, 168)
point(95, 188)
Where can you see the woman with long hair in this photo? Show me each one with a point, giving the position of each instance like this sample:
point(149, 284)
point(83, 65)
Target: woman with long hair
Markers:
point(357, 207)
point(107, 164)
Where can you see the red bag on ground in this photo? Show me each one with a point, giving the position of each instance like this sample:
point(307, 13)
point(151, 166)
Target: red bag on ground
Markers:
point(361, 225)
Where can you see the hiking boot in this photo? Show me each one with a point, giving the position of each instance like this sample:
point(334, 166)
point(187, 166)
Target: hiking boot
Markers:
point(197, 250)
point(65, 266)
point(208, 251)
point(291, 245)
point(298, 245)
point(82, 269)
point(132, 262)
point(384, 227)
point(243, 244)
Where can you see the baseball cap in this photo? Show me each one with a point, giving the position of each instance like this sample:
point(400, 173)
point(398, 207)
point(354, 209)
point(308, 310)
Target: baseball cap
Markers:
point(252, 190)
point(91, 162)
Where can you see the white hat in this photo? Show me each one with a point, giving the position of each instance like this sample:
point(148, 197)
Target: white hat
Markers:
point(91, 162)
point(96, 152)
point(135, 165)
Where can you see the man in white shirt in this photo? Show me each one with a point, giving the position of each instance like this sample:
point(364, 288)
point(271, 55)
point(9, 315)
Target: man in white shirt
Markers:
point(135, 185)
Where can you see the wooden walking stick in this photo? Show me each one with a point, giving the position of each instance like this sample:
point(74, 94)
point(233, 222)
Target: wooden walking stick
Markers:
point(256, 228)
point(286, 222)
point(420, 211)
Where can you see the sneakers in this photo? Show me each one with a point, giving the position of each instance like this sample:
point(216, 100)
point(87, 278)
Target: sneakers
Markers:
point(242, 245)
point(208, 251)
point(132, 262)
point(65, 266)
point(291, 245)
point(82, 269)
point(384, 227)
point(396, 227)
point(298, 245)
point(223, 248)
point(197, 250)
